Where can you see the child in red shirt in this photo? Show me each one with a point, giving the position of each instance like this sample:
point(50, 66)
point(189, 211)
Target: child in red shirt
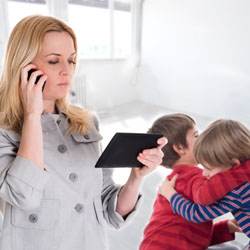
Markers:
point(166, 230)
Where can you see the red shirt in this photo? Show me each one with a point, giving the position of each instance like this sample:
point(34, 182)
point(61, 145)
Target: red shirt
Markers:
point(167, 231)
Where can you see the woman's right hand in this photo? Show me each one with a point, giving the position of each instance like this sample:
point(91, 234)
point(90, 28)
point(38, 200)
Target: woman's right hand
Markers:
point(31, 93)
point(31, 145)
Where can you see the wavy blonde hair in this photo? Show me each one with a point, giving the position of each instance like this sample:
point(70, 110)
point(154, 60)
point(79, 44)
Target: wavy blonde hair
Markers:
point(24, 44)
point(221, 142)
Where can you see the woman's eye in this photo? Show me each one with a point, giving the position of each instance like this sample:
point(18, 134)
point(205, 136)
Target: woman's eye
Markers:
point(72, 62)
point(53, 62)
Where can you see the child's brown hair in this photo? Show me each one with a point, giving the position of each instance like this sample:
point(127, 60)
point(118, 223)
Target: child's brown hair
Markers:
point(175, 127)
point(221, 142)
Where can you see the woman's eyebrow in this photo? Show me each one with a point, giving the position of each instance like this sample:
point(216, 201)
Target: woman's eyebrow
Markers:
point(56, 54)
point(53, 54)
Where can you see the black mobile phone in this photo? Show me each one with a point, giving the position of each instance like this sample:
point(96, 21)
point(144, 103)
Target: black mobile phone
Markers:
point(37, 79)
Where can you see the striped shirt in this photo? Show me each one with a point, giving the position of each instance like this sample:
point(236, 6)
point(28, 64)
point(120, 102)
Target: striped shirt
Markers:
point(237, 202)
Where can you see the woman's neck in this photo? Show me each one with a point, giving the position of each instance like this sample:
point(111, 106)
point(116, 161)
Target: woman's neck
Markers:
point(49, 106)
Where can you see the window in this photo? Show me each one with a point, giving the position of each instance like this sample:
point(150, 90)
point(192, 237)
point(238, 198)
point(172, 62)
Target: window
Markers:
point(122, 29)
point(18, 9)
point(103, 27)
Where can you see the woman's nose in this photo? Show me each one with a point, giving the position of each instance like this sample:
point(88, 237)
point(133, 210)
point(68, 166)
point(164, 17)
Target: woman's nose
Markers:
point(66, 69)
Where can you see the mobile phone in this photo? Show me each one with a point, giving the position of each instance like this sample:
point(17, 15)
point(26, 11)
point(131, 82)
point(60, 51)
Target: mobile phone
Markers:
point(37, 79)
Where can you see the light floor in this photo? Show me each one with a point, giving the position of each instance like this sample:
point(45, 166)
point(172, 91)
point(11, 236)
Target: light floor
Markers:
point(138, 117)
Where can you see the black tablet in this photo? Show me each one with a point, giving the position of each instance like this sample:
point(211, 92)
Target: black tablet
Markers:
point(124, 148)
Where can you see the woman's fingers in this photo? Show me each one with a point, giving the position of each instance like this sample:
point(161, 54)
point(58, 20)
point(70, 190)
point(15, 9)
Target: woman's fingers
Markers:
point(31, 93)
point(148, 159)
point(41, 82)
point(162, 142)
point(24, 74)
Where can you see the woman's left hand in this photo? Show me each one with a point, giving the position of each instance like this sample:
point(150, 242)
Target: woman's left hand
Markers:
point(150, 158)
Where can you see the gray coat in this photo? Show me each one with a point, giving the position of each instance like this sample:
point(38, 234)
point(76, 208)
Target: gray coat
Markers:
point(63, 207)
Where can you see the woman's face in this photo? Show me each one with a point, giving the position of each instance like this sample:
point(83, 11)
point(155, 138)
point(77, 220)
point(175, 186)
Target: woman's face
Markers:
point(56, 60)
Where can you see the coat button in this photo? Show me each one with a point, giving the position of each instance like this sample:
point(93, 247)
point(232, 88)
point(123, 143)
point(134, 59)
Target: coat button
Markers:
point(62, 148)
point(79, 208)
point(73, 177)
point(86, 136)
point(33, 218)
point(58, 122)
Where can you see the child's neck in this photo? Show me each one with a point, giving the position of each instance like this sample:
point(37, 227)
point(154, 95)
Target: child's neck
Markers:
point(184, 162)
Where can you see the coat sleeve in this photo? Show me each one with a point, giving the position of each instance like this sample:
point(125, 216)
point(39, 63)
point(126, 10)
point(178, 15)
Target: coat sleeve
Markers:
point(109, 200)
point(21, 181)
point(109, 195)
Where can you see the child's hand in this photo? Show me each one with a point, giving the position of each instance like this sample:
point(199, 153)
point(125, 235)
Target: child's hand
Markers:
point(166, 189)
point(233, 227)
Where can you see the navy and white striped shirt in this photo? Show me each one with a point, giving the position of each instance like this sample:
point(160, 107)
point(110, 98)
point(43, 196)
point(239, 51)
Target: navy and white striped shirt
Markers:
point(237, 202)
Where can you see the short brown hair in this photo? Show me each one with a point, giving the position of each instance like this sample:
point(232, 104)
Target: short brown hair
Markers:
point(221, 142)
point(175, 127)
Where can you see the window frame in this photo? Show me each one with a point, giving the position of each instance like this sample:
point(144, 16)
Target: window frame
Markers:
point(112, 6)
point(59, 9)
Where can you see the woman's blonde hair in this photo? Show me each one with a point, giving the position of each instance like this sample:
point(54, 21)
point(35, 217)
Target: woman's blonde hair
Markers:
point(24, 44)
point(221, 142)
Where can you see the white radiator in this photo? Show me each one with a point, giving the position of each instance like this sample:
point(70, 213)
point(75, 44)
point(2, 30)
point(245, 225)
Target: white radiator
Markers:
point(78, 94)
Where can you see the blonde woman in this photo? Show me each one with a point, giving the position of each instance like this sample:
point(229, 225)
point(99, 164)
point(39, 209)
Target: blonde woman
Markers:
point(52, 196)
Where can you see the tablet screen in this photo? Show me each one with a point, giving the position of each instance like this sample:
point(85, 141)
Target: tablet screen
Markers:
point(124, 148)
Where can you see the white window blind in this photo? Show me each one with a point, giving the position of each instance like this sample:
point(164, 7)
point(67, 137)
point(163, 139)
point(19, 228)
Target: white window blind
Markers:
point(103, 27)
point(18, 9)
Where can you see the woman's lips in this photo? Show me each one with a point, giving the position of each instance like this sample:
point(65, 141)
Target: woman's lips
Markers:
point(63, 84)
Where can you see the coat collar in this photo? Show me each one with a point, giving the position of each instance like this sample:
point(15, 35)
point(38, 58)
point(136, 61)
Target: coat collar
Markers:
point(49, 124)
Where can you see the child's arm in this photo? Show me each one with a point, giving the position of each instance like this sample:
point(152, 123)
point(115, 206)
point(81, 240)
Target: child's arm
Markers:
point(206, 192)
point(195, 212)
point(167, 188)
point(199, 213)
point(223, 231)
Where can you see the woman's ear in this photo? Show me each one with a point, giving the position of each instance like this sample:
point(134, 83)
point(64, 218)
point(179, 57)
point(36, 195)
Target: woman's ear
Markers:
point(235, 161)
point(179, 149)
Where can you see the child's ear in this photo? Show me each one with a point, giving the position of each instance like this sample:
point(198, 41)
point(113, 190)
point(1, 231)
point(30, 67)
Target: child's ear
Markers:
point(235, 161)
point(179, 149)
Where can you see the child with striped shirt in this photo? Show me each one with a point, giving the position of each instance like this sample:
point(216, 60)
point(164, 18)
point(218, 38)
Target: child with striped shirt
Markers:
point(222, 145)
point(167, 230)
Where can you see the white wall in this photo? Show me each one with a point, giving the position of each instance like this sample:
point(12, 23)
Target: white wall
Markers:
point(196, 56)
point(4, 26)
point(108, 83)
